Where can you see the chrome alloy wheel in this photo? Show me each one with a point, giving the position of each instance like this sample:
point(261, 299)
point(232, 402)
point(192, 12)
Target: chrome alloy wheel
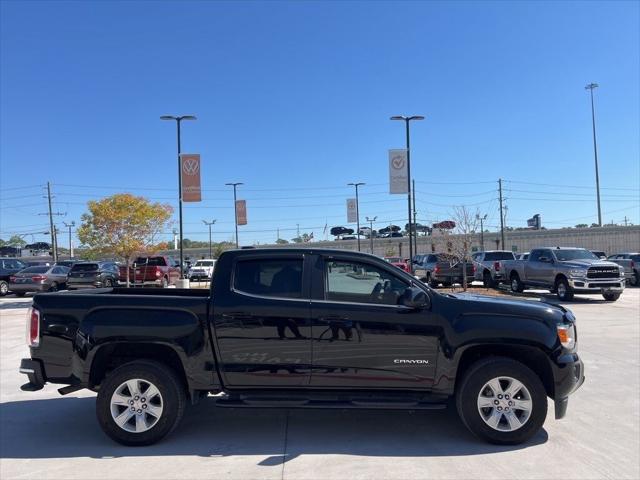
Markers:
point(136, 405)
point(504, 404)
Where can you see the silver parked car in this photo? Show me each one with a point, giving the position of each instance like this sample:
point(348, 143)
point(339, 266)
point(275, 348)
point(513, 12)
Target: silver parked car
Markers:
point(39, 279)
point(631, 264)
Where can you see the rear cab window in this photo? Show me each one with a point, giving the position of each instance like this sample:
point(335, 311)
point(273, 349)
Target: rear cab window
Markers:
point(496, 256)
point(85, 267)
point(269, 277)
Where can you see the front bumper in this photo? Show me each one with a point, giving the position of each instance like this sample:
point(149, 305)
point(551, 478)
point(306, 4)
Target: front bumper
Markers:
point(598, 284)
point(568, 375)
point(34, 372)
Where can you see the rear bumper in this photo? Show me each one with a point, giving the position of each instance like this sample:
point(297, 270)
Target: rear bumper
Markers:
point(138, 283)
point(34, 372)
point(27, 287)
point(568, 373)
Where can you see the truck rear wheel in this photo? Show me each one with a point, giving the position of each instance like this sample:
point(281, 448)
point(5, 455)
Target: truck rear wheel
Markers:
point(501, 401)
point(487, 280)
point(432, 283)
point(140, 402)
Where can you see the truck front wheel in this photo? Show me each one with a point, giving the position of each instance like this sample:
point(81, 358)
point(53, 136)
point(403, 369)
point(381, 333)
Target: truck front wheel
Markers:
point(563, 290)
point(502, 401)
point(140, 402)
point(611, 296)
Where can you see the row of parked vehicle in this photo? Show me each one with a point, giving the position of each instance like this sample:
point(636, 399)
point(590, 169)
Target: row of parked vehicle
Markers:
point(20, 277)
point(562, 270)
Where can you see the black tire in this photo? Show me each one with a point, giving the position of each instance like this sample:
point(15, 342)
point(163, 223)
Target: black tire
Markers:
point(4, 288)
point(635, 279)
point(470, 388)
point(563, 290)
point(173, 401)
point(53, 287)
point(165, 282)
point(432, 283)
point(108, 282)
point(19, 294)
point(516, 285)
point(611, 297)
point(487, 281)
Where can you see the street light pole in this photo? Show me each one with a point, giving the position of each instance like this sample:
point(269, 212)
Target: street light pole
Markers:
point(406, 120)
point(69, 225)
point(590, 87)
point(235, 207)
point(482, 219)
point(209, 224)
point(178, 120)
point(356, 185)
point(371, 220)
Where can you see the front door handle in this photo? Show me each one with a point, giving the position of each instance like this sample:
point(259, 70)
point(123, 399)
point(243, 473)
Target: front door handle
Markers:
point(334, 318)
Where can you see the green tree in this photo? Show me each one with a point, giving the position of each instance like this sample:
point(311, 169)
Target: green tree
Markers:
point(17, 241)
point(122, 224)
point(281, 241)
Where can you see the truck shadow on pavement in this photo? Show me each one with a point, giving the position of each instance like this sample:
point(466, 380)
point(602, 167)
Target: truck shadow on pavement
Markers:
point(67, 428)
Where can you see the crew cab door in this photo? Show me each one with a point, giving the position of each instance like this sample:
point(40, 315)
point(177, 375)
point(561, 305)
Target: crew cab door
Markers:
point(362, 337)
point(539, 267)
point(261, 321)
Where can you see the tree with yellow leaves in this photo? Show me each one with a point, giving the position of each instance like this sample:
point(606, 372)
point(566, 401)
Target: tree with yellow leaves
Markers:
point(123, 224)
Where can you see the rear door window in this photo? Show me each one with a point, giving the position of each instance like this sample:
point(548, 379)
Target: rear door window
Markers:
point(269, 277)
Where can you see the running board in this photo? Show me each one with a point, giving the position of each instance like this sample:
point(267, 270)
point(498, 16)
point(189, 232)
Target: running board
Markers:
point(288, 402)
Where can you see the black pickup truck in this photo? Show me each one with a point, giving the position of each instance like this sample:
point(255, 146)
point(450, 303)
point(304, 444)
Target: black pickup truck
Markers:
point(304, 327)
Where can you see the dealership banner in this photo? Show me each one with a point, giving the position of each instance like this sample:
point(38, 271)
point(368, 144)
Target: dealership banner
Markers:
point(241, 212)
point(352, 210)
point(398, 171)
point(190, 166)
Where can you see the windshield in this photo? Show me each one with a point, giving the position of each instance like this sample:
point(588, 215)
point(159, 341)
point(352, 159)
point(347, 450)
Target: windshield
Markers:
point(494, 256)
point(85, 267)
point(578, 254)
point(204, 263)
point(635, 258)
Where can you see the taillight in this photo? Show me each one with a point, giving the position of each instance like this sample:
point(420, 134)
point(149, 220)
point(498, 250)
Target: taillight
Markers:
point(496, 266)
point(33, 327)
point(39, 278)
point(633, 264)
point(12, 279)
point(158, 272)
point(436, 270)
point(473, 269)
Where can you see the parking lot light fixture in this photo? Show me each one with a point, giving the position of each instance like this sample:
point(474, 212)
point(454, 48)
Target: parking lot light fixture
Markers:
point(178, 120)
point(235, 207)
point(210, 224)
point(591, 87)
point(356, 185)
point(407, 120)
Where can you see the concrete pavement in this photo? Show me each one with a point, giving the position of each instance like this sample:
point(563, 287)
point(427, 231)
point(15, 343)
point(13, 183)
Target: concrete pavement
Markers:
point(44, 435)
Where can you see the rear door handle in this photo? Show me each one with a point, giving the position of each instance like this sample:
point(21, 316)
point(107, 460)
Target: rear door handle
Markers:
point(334, 318)
point(236, 315)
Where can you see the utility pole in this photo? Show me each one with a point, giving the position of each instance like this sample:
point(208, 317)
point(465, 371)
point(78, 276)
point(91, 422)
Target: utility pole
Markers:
point(590, 87)
point(501, 214)
point(415, 213)
point(371, 220)
point(356, 185)
point(53, 234)
point(209, 224)
point(625, 220)
point(235, 207)
point(69, 225)
point(482, 219)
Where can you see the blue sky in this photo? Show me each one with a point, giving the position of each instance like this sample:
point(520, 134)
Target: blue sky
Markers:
point(294, 99)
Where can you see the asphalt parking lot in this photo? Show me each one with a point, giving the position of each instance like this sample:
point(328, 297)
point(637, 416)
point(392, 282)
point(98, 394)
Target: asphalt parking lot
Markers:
point(44, 435)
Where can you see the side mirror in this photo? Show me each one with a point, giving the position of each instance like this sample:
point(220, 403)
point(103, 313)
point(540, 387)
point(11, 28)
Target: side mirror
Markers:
point(544, 259)
point(414, 297)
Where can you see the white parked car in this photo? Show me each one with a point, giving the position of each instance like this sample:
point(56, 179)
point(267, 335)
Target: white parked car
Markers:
point(202, 269)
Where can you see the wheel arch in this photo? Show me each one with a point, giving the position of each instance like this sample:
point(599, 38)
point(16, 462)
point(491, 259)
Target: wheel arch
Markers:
point(532, 357)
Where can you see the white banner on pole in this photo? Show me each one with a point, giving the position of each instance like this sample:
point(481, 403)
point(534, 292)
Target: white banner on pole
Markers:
point(352, 210)
point(398, 171)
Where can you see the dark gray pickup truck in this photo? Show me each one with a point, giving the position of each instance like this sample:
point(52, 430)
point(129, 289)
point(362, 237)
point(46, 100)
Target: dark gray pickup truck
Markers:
point(304, 328)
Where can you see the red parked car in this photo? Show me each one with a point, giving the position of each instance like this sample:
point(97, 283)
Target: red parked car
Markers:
point(156, 271)
point(401, 263)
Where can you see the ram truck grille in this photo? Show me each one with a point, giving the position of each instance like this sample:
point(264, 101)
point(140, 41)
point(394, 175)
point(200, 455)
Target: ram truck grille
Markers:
point(603, 272)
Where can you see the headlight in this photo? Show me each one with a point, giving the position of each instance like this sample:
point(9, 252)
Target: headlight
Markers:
point(621, 272)
point(578, 273)
point(567, 335)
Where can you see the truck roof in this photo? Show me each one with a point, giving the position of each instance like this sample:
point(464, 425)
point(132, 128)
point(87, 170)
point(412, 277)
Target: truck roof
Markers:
point(297, 250)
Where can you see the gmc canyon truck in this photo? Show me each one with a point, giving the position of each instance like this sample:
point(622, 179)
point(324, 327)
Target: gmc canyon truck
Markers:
point(566, 271)
point(307, 328)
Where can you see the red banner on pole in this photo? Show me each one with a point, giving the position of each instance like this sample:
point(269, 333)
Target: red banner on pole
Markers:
point(190, 165)
point(241, 209)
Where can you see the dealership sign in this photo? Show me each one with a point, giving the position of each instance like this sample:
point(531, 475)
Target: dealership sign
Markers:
point(398, 171)
point(190, 169)
point(241, 212)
